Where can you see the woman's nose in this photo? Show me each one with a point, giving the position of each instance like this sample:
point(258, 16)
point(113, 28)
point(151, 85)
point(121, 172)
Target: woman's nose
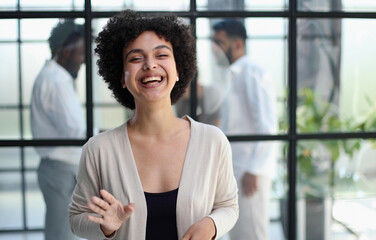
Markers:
point(149, 64)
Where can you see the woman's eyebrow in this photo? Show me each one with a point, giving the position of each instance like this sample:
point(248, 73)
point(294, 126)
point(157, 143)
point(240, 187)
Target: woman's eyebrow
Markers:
point(163, 46)
point(137, 50)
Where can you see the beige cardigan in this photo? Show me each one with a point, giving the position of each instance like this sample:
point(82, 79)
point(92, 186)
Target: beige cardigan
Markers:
point(207, 186)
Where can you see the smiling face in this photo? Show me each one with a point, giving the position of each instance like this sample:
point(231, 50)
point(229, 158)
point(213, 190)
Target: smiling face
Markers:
point(149, 69)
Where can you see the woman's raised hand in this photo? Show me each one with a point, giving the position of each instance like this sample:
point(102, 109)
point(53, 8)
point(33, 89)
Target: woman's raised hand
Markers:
point(113, 213)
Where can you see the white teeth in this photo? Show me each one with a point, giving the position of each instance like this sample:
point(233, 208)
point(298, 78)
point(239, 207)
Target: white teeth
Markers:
point(151, 79)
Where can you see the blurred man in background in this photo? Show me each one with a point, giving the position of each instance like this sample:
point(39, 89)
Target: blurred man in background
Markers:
point(249, 107)
point(56, 113)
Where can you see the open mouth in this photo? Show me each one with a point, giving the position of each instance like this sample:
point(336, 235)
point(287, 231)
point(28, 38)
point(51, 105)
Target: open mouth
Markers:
point(152, 79)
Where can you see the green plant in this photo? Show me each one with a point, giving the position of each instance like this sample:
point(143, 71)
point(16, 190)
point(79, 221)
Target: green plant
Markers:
point(316, 160)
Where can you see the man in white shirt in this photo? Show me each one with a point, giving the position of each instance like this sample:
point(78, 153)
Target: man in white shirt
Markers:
point(56, 113)
point(249, 107)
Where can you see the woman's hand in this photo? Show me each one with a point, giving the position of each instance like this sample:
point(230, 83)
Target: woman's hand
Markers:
point(113, 213)
point(202, 230)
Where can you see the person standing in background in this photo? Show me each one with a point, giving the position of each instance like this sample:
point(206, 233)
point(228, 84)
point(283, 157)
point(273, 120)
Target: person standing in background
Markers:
point(248, 108)
point(56, 113)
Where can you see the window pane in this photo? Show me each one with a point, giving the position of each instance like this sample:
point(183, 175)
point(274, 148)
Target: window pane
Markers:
point(336, 188)
point(336, 5)
point(36, 55)
point(9, 82)
point(28, 27)
point(10, 124)
point(110, 116)
point(11, 201)
point(101, 93)
point(10, 158)
point(274, 188)
point(336, 72)
point(11, 29)
point(35, 207)
point(35, 51)
point(31, 158)
point(47, 5)
point(219, 97)
point(143, 5)
point(248, 5)
point(26, 123)
point(8, 5)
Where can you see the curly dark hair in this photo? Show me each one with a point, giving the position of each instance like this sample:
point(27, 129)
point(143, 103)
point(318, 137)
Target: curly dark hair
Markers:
point(124, 28)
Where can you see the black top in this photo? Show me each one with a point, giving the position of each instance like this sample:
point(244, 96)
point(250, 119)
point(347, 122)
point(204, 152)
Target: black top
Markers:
point(161, 218)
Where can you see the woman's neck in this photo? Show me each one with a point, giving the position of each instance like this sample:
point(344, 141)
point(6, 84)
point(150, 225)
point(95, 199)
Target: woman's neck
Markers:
point(153, 121)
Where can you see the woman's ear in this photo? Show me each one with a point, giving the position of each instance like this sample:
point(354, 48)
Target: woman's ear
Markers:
point(123, 77)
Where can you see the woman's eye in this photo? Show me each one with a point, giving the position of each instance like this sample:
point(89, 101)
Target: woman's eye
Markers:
point(162, 55)
point(135, 59)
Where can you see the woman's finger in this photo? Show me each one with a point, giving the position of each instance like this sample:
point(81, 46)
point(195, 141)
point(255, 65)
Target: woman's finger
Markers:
point(96, 209)
point(107, 196)
point(130, 208)
point(103, 204)
point(95, 219)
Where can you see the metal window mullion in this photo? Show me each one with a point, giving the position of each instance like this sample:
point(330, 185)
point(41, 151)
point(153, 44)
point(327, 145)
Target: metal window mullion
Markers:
point(292, 98)
point(20, 109)
point(193, 90)
point(89, 75)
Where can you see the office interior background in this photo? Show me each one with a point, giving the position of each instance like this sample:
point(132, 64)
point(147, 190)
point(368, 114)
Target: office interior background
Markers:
point(320, 55)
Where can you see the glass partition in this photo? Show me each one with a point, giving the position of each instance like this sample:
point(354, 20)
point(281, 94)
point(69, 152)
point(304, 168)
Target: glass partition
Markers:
point(56, 5)
point(140, 5)
point(336, 72)
point(336, 189)
point(265, 37)
point(26, 51)
point(242, 5)
point(337, 5)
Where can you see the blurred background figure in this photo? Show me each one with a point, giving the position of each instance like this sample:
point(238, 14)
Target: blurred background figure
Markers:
point(56, 113)
point(249, 107)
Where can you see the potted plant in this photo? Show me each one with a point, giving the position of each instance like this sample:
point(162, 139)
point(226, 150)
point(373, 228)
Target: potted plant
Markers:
point(317, 175)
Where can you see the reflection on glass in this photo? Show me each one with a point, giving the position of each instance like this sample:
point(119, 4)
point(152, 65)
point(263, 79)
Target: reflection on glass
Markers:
point(336, 5)
point(335, 75)
point(236, 5)
point(11, 201)
point(35, 206)
point(215, 72)
point(336, 189)
point(10, 158)
point(140, 5)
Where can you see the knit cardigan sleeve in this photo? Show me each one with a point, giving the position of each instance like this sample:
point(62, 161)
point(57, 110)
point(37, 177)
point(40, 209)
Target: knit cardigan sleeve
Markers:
point(88, 185)
point(225, 210)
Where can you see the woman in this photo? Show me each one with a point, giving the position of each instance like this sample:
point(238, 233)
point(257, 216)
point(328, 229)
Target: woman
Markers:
point(156, 176)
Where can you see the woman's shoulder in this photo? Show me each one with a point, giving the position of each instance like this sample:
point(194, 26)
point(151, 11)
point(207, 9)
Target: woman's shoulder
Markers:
point(204, 131)
point(107, 137)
